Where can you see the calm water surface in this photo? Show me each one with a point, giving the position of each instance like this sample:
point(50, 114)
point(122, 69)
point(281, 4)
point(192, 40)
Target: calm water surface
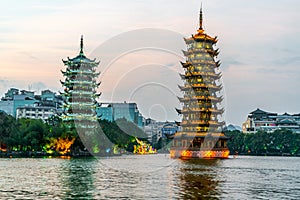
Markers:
point(150, 177)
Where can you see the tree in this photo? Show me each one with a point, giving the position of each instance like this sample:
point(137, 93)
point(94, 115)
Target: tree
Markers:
point(7, 126)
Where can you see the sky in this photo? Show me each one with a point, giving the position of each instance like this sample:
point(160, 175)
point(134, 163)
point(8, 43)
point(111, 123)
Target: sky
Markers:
point(139, 42)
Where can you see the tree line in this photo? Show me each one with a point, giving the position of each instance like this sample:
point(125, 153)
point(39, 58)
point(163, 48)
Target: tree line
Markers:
point(279, 142)
point(55, 137)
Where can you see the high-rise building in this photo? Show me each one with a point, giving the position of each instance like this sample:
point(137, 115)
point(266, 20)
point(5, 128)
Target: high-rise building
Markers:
point(114, 111)
point(201, 128)
point(80, 91)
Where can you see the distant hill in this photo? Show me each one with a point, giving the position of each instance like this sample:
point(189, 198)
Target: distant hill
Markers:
point(232, 127)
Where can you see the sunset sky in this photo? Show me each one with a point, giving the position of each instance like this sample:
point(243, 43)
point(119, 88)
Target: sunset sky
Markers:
point(138, 43)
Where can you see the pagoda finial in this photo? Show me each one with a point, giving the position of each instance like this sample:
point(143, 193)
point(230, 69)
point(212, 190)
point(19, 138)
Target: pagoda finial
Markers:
point(201, 18)
point(81, 45)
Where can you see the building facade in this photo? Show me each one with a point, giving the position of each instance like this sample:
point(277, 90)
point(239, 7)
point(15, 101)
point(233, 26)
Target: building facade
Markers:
point(7, 106)
point(156, 130)
point(114, 111)
point(260, 120)
point(35, 112)
point(21, 103)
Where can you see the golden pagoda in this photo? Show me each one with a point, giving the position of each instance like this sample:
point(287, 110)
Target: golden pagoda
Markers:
point(201, 133)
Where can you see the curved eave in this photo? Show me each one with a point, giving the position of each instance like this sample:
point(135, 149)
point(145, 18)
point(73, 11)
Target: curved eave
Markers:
point(185, 64)
point(190, 110)
point(182, 88)
point(180, 99)
point(197, 74)
point(178, 111)
point(192, 51)
point(202, 123)
point(213, 53)
point(98, 94)
point(212, 100)
point(201, 37)
point(63, 72)
point(205, 86)
point(80, 60)
point(185, 53)
point(76, 71)
point(97, 84)
point(203, 135)
point(209, 98)
point(182, 76)
point(78, 83)
point(210, 87)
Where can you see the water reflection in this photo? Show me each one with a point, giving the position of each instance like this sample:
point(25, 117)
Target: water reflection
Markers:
point(78, 178)
point(198, 179)
point(242, 178)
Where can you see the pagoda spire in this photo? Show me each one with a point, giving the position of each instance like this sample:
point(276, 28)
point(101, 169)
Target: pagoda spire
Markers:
point(201, 18)
point(81, 45)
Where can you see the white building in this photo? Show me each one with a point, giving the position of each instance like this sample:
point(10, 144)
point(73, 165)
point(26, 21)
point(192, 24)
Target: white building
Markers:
point(266, 121)
point(35, 112)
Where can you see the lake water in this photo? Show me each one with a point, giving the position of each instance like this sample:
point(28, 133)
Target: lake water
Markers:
point(150, 177)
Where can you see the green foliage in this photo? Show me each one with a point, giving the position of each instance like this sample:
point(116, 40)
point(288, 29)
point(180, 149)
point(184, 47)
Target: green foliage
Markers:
point(122, 133)
point(33, 135)
point(7, 124)
point(28, 135)
point(277, 143)
point(130, 128)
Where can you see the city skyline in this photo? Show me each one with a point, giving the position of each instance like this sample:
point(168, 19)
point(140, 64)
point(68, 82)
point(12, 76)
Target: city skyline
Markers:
point(257, 41)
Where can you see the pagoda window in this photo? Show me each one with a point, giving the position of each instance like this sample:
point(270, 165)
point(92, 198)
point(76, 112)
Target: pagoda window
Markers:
point(184, 143)
point(179, 143)
point(199, 45)
point(199, 55)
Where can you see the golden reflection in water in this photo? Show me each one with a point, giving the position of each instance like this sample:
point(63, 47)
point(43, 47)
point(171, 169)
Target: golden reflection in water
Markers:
point(198, 179)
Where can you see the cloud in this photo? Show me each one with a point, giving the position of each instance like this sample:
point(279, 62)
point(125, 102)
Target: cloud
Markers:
point(171, 64)
point(29, 55)
point(229, 61)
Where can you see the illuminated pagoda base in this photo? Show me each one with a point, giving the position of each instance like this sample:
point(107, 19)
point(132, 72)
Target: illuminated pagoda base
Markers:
point(201, 133)
point(213, 147)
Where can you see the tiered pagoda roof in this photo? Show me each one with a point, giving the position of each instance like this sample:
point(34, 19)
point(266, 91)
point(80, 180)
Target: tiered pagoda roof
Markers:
point(80, 87)
point(201, 128)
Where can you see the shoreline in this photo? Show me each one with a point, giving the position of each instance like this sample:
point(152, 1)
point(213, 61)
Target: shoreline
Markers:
point(22, 154)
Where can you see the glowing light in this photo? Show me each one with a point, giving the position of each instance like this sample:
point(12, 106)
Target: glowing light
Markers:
point(186, 154)
point(59, 145)
point(3, 148)
point(143, 148)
